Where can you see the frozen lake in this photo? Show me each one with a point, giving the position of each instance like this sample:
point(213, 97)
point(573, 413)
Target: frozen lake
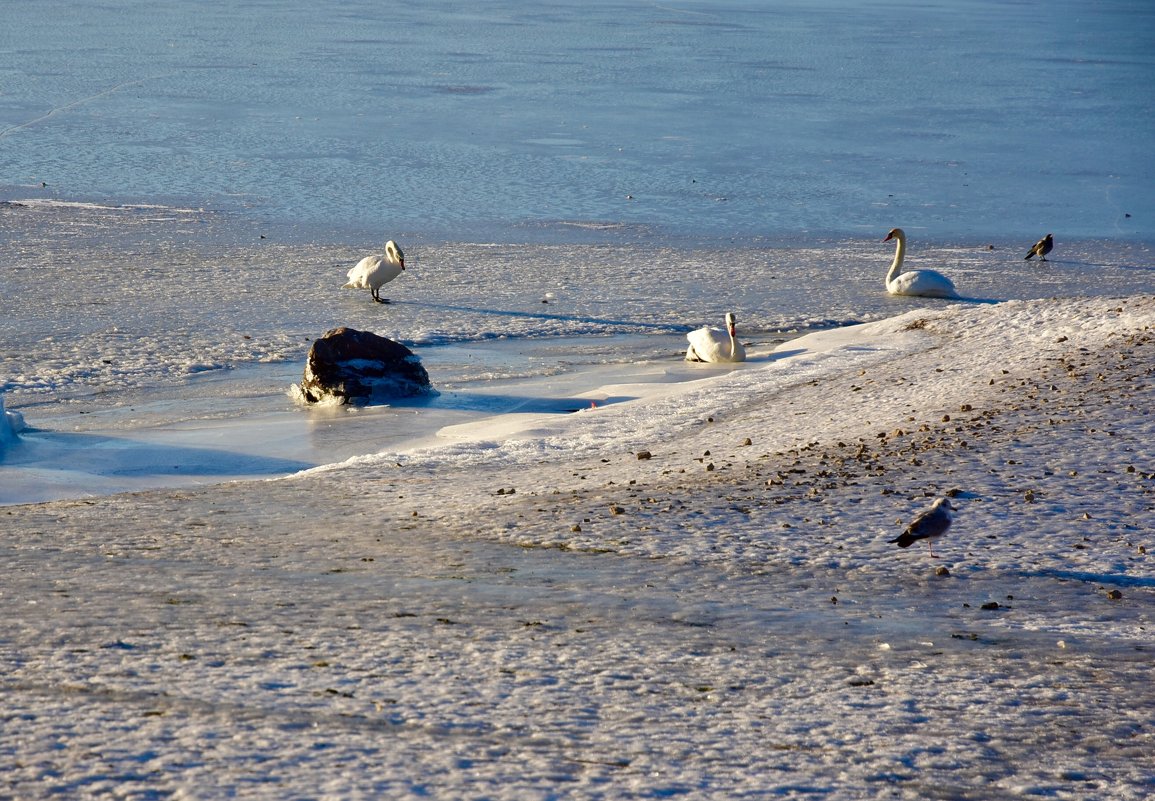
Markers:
point(586, 568)
point(513, 121)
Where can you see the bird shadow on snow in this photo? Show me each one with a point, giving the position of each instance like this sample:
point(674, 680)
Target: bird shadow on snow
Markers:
point(497, 403)
point(1096, 578)
point(568, 318)
point(775, 356)
point(980, 301)
point(1145, 268)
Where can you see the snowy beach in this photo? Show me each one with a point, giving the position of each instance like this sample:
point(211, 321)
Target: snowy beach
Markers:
point(547, 613)
point(585, 568)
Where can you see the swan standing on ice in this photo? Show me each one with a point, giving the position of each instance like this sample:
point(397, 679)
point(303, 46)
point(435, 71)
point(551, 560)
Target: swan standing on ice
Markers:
point(373, 272)
point(925, 283)
point(1040, 248)
point(929, 525)
point(709, 344)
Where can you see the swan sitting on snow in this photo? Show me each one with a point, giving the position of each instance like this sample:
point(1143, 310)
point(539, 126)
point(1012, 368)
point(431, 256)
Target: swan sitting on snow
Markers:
point(710, 344)
point(373, 272)
point(925, 283)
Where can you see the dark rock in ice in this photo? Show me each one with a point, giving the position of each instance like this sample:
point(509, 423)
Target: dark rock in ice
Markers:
point(352, 366)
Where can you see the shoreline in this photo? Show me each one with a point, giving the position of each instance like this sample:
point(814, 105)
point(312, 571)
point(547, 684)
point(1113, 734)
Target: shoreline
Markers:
point(238, 227)
point(725, 622)
point(244, 425)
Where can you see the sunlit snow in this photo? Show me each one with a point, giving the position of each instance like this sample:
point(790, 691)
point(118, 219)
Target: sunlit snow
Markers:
point(585, 568)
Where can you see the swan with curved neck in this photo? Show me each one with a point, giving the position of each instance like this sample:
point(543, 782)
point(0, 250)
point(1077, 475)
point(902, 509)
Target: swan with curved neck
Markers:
point(923, 283)
point(373, 272)
point(709, 344)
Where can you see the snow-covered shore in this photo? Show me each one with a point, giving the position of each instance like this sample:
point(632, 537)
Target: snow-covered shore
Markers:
point(536, 610)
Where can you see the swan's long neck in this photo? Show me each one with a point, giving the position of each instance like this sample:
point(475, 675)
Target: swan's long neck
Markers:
point(733, 342)
point(899, 254)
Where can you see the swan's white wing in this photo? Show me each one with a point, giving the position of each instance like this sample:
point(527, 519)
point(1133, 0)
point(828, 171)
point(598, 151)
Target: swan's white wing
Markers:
point(708, 345)
point(385, 272)
point(372, 272)
point(923, 283)
point(361, 274)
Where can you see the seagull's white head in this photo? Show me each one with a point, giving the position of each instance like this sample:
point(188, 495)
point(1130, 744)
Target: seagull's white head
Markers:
point(943, 503)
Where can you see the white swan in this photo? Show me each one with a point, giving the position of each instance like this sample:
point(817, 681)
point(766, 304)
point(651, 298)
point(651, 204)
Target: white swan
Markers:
point(373, 272)
point(709, 344)
point(925, 283)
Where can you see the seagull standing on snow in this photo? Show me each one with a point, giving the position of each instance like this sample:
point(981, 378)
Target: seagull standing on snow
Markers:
point(1040, 248)
point(929, 525)
point(373, 272)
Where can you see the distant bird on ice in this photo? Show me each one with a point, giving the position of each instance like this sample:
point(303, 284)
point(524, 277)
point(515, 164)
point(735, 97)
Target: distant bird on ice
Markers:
point(1041, 248)
point(929, 525)
point(923, 283)
point(709, 344)
point(373, 272)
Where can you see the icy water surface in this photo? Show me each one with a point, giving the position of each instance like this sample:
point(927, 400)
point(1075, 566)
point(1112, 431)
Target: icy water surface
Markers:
point(514, 120)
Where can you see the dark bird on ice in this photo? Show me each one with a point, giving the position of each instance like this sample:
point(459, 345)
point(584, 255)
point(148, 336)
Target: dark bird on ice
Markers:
point(1041, 248)
point(929, 525)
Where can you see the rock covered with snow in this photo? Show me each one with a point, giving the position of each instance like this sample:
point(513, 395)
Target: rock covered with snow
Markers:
point(351, 366)
point(11, 424)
